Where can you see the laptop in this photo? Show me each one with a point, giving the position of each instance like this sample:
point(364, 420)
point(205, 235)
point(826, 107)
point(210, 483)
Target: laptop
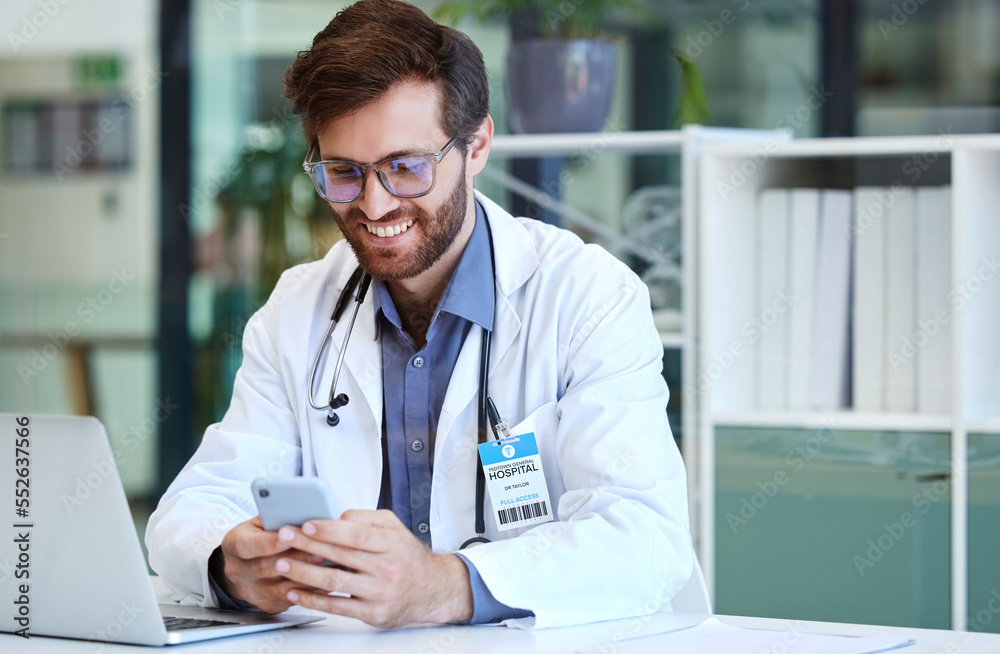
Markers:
point(70, 560)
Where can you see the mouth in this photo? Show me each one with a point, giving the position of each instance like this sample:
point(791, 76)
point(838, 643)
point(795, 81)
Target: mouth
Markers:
point(387, 231)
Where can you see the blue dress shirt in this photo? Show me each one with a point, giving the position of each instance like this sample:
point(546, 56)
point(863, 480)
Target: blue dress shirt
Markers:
point(415, 380)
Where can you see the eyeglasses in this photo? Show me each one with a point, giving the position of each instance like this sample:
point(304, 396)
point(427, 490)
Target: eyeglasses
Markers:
point(408, 176)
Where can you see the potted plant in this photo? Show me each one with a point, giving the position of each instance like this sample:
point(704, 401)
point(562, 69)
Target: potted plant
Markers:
point(560, 72)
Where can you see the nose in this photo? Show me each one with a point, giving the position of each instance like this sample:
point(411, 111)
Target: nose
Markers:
point(374, 200)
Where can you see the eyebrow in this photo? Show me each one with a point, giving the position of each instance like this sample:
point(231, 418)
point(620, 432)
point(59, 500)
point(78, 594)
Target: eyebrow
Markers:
point(391, 155)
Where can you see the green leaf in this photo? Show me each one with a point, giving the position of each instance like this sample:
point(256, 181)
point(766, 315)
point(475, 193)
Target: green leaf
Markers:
point(692, 107)
point(568, 19)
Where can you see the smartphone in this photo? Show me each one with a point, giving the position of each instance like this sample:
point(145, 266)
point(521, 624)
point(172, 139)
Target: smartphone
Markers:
point(292, 500)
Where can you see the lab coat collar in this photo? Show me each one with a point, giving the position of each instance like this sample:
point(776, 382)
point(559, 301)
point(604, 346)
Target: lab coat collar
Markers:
point(463, 296)
point(516, 261)
point(516, 258)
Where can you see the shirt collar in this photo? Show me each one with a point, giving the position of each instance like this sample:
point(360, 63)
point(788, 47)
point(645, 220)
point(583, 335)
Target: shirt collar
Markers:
point(471, 292)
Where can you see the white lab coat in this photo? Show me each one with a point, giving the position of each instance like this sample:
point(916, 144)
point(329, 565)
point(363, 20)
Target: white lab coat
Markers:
point(576, 359)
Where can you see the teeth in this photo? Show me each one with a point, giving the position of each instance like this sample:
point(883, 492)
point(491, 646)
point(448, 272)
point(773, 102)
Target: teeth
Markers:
point(392, 230)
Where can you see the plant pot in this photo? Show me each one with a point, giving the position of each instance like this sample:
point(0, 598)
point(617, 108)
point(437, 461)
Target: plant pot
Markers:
point(560, 86)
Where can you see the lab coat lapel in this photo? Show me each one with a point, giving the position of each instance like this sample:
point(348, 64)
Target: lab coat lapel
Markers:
point(516, 261)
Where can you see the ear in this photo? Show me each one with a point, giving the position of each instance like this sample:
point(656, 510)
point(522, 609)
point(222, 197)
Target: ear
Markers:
point(479, 149)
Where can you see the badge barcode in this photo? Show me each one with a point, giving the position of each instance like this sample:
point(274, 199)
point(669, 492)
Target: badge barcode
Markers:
point(521, 513)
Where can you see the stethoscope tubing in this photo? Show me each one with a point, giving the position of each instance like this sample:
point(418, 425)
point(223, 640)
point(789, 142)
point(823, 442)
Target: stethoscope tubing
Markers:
point(347, 337)
point(365, 282)
point(484, 394)
point(323, 348)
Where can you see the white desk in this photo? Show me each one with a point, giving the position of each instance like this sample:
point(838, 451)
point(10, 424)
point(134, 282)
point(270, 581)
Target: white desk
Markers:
point(345, 636)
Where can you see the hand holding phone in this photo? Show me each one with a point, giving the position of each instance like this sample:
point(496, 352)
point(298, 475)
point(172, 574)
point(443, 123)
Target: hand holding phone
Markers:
point(292, 500)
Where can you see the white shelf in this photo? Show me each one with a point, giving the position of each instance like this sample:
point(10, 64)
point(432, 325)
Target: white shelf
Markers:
point(730, 178)
point(846, 420)
point(644, 142)
point(868, 146)
point(547, 145)
point(983, 427)
point(672, 339)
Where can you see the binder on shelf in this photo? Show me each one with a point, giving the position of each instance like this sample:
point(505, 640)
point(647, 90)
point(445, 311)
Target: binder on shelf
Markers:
point(772, 286)
point(803, 225)
point(730, 376)
point(830, 387)
point(898, 366)
point(932, 337)
point(869, 298)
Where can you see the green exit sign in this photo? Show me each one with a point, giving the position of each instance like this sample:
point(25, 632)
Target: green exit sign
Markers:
point(98, 70)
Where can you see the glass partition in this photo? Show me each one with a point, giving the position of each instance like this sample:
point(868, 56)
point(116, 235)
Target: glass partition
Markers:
point(78, 222)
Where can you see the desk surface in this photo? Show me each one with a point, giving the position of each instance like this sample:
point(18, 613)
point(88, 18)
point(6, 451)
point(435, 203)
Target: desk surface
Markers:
point(631, 636)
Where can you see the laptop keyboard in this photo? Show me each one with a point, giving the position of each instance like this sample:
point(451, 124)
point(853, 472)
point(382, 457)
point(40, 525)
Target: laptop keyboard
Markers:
point(177, 624)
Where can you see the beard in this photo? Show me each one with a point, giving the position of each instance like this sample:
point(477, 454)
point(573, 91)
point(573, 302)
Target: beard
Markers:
point(395, 263)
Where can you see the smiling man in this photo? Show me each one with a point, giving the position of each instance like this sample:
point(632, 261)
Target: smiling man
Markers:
point(585, 517)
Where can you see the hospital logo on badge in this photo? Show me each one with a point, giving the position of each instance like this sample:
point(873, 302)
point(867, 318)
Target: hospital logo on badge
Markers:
point(507, 451)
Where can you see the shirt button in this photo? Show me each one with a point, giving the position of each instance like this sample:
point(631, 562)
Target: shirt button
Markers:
point(423, 527)
point(418, 362)
point(417, 445)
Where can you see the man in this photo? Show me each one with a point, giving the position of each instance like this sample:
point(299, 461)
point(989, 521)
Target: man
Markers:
point(575, 360)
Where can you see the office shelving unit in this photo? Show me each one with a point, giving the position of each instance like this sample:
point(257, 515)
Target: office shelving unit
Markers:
point(879, 466)
point(686, 144)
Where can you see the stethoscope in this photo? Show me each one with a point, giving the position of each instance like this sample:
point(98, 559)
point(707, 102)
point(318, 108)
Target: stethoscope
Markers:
point(360, 281)
point(336, 401)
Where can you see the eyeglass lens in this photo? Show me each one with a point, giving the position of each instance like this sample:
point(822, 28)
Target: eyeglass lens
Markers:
point(405, 177)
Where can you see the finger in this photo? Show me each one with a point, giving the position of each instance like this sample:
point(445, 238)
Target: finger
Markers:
point(272, 597)
point(258, 583)
point(320, 577)
point(345, 606)
point(349, 534)
point(380, 518)
point(326, 580)
point(322, 551)
point(248, 541)
point(255, 546)
point(263, 567)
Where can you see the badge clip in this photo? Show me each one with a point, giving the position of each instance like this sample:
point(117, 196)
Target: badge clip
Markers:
point(500, 425)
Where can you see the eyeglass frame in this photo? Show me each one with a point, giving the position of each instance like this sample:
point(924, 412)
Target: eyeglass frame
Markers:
point(433, 158)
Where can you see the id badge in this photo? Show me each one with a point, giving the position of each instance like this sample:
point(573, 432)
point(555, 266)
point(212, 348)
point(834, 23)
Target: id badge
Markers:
point(516, 482)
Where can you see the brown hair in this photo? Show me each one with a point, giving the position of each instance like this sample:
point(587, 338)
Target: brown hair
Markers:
point(374, 44)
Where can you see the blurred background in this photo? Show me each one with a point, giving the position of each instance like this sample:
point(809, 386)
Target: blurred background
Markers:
point(151, 189)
